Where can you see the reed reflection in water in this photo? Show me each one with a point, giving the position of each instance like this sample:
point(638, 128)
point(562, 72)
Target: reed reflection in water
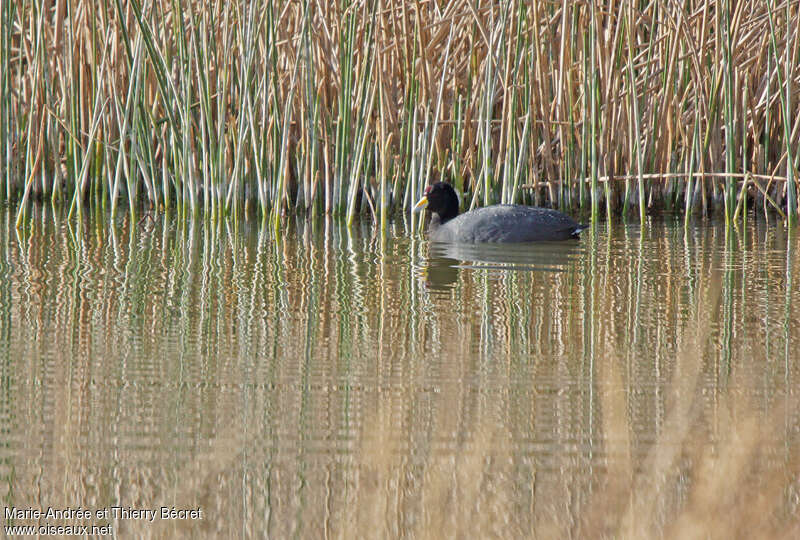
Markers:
point(639, 382)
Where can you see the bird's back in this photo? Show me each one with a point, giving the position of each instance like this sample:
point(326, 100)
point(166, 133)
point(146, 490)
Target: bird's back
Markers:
point(507, 223)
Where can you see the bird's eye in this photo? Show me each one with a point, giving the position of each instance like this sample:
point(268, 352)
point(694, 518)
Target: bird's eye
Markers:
point(428, 190)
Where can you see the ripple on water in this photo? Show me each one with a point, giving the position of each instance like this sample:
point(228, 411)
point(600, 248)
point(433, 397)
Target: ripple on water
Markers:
point(328, 365)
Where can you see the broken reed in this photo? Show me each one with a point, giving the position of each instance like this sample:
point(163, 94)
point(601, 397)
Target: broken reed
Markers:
point(316, 107)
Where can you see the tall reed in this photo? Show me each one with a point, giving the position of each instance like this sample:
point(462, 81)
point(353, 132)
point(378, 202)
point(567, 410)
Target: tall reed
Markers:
point(214, 109)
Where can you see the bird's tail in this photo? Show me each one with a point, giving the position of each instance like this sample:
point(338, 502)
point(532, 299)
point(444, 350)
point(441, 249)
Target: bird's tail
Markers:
point(579, 229)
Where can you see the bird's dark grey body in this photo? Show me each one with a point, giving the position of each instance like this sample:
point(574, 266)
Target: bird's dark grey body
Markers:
point(505, 223)
point(500, 223)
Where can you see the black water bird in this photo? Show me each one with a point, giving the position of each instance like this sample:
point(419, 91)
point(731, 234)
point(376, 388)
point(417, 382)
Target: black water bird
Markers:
point(501, 223)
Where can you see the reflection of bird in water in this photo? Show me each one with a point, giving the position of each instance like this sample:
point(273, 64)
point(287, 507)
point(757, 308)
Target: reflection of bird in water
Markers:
point(440, 273)
point(500, 223)
point(547, 257)
point(446, 260)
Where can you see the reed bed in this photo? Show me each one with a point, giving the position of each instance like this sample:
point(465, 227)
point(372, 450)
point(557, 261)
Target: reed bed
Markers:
point(275, 107)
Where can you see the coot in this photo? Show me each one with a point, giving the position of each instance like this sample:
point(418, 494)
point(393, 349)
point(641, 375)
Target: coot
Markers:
point(497, 223)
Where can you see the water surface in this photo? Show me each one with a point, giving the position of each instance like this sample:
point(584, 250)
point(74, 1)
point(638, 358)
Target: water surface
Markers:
point(328, 381)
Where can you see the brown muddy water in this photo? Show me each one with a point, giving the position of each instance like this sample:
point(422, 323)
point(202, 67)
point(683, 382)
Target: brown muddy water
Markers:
point(325, 382)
